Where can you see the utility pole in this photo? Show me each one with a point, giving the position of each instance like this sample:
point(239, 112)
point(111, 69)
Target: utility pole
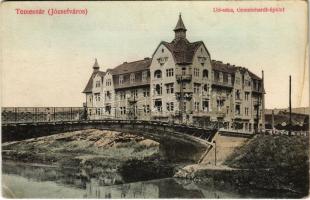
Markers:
point(290, 107)
point(257, 115)
point(214, 152)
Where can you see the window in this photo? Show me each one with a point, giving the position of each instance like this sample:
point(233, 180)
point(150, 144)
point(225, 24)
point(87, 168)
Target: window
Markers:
point(246, 111)
point(216, 76)
point(205, 73)
point(121, 79)
point(220, 104)
point(132, 78)
point(107, 95)
point(196, 105)
point(183, 71)
point(108, 109)
point(196, 88)
point(108, 82)
point(170, 106)
point(225, 78)
point(144, 76)
point(162, 50)
point(237, 80)
point(247, 82)
point(157, 74)
point(134, 93)
point(196, 72)
point(169, 88)
point(246, 95)
point(206, 87)
point(123, 110)
point(146, 108)
point(158, 105)
point(205, 105)
point(169, 72)
point(122, 95)
point(237, 109)
point(158, 89)
point(227, 110)
point(237, 94)
point(97, 83)
point(97, 96)
point(146, 92)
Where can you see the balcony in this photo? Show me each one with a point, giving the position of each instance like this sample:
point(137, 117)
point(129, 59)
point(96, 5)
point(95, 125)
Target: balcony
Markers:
point(186, 77)
point(258, 90)
point(186, 95)
point(132, 100)
point(217, 82)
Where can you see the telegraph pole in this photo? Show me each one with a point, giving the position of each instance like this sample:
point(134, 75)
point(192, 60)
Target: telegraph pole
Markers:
point(290, 106)
point(214, 152)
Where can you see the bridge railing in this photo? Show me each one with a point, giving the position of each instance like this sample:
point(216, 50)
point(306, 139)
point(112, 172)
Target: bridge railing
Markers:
point(40, 114)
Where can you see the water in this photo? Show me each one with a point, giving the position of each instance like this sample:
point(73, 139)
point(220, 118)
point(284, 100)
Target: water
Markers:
point(20, 180)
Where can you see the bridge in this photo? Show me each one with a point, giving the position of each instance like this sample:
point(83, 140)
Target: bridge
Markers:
point(177, 142)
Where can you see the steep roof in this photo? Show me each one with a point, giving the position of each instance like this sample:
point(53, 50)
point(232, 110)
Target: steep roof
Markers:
point(180, 25)
point(226, 67)
point(182, 50)
point(223, 67)
point(129, 67)
point(89, 85)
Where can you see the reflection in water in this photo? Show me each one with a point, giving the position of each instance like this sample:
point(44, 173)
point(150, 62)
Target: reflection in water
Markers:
point(51, 182)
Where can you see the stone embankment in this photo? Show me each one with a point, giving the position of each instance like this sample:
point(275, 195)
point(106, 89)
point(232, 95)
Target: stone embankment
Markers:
point(273, 163)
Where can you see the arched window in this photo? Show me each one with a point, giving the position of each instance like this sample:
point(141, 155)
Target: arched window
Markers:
point(157, 74)
point(158, 89)
point(205, 73)
point(205, 88)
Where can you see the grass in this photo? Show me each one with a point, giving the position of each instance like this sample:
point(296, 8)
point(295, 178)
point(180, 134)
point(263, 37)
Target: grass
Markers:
point(285, 158)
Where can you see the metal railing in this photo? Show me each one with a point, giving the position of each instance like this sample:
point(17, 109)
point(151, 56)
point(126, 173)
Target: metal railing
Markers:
point(41, 114)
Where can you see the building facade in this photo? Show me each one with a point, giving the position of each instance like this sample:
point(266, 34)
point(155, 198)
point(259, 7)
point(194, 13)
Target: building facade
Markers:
point(179, 84)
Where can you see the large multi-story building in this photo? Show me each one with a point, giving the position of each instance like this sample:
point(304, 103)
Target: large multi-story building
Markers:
point(180, 83)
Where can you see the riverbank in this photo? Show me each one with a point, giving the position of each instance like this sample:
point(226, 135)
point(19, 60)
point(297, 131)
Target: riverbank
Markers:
point(93, 153)
point(274, 163)
point(271, 163)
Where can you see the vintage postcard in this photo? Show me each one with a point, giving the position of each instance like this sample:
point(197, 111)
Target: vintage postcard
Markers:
point(154, 99)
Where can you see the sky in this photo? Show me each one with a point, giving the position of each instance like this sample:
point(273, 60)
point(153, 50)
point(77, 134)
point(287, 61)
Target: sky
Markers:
point(47, 60)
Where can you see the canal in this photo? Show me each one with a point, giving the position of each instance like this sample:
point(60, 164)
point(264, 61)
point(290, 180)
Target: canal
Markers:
point(21, 180)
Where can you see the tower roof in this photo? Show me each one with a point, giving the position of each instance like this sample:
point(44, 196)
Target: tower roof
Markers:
point(96, 65)
point(180, 25)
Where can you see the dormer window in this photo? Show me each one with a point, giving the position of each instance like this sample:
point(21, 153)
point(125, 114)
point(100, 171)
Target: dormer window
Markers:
point(132, 78)
point(108, 82)
point(121, 79)
point(97, 84)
